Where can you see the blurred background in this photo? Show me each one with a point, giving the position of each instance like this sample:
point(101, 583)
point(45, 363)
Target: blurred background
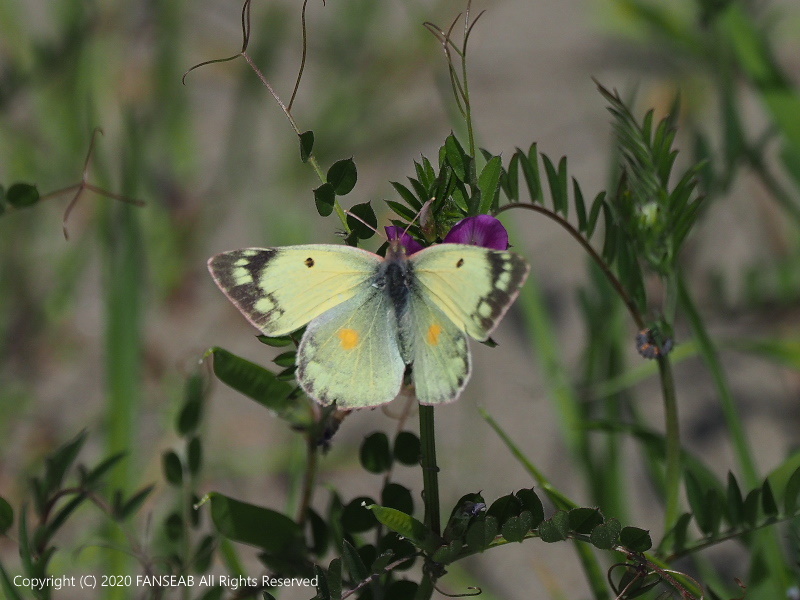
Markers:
point(99, 331)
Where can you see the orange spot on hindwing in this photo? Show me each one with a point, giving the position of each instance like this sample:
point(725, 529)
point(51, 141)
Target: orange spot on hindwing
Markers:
point(349, 338)
point(434, 331)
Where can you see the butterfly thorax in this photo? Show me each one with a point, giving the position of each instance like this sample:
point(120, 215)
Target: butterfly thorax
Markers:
point(394, 277)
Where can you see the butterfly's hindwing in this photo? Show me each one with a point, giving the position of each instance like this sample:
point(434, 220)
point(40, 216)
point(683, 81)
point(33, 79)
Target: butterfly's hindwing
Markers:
point(473, 286)
point(350, 354)
point(438, 350)
point(281, 289)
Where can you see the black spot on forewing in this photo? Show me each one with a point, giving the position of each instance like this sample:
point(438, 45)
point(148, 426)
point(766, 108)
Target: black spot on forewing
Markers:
point(508, 272)
point(460, 263)
point(239, 274)
point(309, 262)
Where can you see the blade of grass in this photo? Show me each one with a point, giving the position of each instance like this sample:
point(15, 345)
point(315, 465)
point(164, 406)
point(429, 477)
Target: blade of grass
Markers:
point(123, 253)
point(766, 541)
point(591, 566)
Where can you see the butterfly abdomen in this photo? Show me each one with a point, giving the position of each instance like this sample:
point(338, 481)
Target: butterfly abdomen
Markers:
point(394, 279)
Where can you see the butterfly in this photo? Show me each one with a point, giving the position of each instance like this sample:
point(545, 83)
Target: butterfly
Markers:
point(369, 317)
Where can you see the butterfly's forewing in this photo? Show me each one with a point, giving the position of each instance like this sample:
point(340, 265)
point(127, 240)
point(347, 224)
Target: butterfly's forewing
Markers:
point(281, 289)
point(473, 286)
point(437, 348)
point(351, 354)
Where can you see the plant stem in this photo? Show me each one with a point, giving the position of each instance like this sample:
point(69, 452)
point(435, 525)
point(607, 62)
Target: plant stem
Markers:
point(605, 268)
point(430, 472)
point(673, 442)
point(308, 480)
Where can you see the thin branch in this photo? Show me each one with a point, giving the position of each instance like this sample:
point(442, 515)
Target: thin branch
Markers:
point(303, 58)
point(632, 309)
point(371, 578)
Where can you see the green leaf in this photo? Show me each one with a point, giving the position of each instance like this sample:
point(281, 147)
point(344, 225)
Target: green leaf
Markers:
point(375, 455)
point(558, 183)
point(173, 527)
point(401, 590)
point(260, 385)
point(407, 526)
point(530, 170)
point(306, 145)
point(203, 554)
point(320, 536)
point(323, 590)
point(407, 448)
point(584, 520)
point(635, 539)
point(214, 593)
point(10, 590)
point(335, 578)
point(285, 359)
point(342, 176)
point(734, 501)
point(790, 495)
point(676, 537)
point(57, 465)
point(580, 205)
point(510, 182)
point(447, 554)
point(456, 157)
point(768, 504)
point(255, 525)
point(364, 212)
point(481, 534)
point(505, 507)
point(6, 516)
point(697, 497)
point(407, 195)
point(515, 528)
point(172, 467)
point(402, 210)
point(21, 195)
point(398, 497)
point(194, 455)
point(598, 204)
point(556, 528)
point(488, 182)
point(325, 199)
point(25, 554)
point(134, 502)
point(357, 517)
point(191, 412)
point(353, 563)
point(278, 342)
point(531, 502)
point(606, 535)
point(751, 505)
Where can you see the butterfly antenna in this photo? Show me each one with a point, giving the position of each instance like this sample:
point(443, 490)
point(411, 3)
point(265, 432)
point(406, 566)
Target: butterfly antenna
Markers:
point(363, 222)
point(421, 215)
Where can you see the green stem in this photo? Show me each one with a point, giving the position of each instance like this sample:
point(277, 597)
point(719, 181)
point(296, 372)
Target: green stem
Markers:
point(308, 480)
point(430, 472)
point(709, 353)
point(673, 442)
point(312, 160)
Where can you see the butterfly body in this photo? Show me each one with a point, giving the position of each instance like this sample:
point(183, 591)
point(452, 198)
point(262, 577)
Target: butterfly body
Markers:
point(369, 317)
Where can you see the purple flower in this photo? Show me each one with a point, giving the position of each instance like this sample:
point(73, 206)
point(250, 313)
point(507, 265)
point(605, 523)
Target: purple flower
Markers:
point(393, 232)
point(481, 230)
